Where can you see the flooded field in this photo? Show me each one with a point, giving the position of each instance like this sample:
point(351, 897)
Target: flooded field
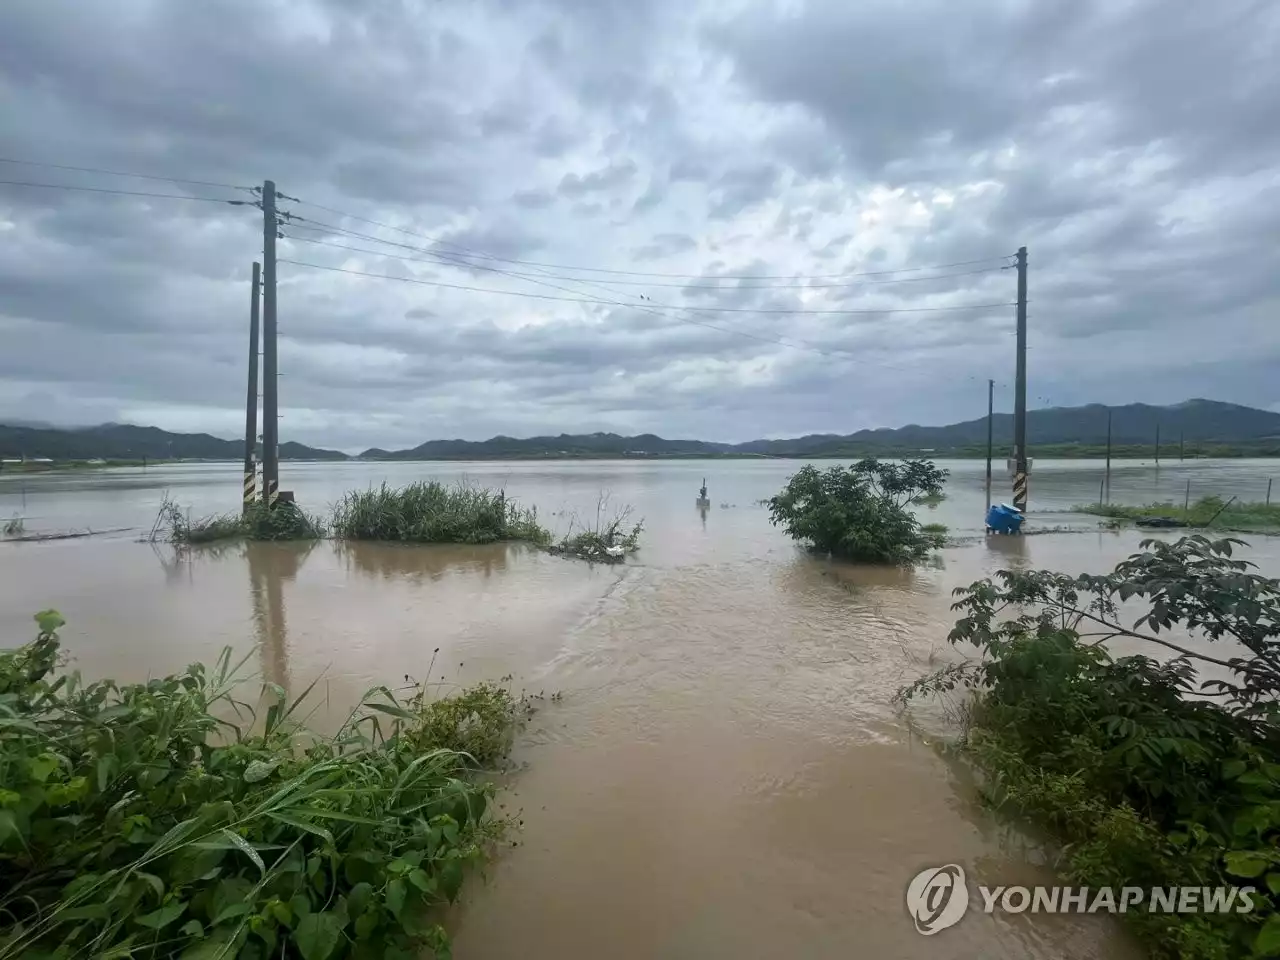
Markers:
point(724, 777)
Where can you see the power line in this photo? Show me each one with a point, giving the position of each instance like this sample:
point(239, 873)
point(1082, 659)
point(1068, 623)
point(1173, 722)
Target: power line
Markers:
point(126, 193)
point(666, 306)
point(793, 345)
point(121, 173)
point(647, 283)
point(626, 273)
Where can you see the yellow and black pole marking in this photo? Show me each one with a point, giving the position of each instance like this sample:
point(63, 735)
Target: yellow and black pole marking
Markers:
point(1020, 491)
point(272, 492)
point(250, 487)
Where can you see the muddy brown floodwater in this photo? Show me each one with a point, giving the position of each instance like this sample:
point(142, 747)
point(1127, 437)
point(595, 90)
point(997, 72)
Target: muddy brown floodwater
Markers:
point(725, 776)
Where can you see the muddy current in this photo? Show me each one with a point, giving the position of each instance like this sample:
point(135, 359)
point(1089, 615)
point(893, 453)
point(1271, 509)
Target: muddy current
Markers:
point(724, 774)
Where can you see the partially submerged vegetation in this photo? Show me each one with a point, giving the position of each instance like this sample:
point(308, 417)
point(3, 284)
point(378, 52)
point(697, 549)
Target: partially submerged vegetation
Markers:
point(421, 513)
point(285, 521)
point(608, 541)
point(1206, 512)
point(137, 820)
point(860, 512)
point(15, 526)
point(1146, 774)
point(429, 512)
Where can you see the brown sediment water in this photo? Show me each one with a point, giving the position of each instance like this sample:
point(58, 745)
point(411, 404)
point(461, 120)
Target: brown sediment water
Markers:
point(725, 775)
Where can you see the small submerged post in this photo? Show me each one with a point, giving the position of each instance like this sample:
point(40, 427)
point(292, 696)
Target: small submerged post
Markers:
point(703, 502)
point(1186, 500)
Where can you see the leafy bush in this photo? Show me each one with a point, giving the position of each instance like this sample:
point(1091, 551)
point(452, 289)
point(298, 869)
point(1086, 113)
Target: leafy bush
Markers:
point(428, 512)
point(1149, 776)
point(860, 512)
point(137, 820)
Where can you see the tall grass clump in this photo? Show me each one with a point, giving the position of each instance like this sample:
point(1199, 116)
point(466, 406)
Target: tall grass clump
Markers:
point(429, 512)
point(285, 521)
point(139, 820)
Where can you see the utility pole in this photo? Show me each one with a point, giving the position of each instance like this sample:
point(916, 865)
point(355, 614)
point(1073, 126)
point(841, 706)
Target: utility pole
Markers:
point(991, 407)
point(1181, 437)
point(251, 400)
point(1020, 391)
point(270, 407)
point(1157, 443)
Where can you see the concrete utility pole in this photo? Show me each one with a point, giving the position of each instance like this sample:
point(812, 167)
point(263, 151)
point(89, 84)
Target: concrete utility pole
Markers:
point(991, 408)
point(251, 399)
point(270, 406)
point(1020, 391)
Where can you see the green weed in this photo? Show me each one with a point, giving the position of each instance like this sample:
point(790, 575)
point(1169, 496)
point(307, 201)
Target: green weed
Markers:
point(1239, 517)
point(139, 820)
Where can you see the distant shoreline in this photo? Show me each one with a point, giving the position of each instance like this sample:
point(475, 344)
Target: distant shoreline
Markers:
point(39, 467)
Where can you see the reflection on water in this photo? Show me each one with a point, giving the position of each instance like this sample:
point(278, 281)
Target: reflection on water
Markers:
point(725, 776)
point(271, 565)
point(415, 563)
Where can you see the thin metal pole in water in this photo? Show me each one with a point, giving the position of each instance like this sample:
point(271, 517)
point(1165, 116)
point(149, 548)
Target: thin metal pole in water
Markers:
point(1186, 501)
point(1157, 443)
point(1102, 485)
point(251, 399)
point(991, 407)
point(1020, 391)
point(1269, 493)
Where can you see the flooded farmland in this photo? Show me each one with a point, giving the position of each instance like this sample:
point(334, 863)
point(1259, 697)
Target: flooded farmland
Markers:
point(725, 775)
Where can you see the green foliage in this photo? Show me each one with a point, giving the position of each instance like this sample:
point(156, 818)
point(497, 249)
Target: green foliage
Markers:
point(1238, 516)
point(14, 526)
point(137, 820)
point(860, 512)
point(284, 521)
point(428, 512)
point(1147, 775)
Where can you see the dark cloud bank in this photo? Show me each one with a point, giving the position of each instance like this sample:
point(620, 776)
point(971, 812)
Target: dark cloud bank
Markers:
point(1131, 146)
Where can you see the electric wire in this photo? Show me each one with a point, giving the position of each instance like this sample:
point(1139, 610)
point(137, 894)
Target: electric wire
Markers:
point(126, 193)
point(122, 173)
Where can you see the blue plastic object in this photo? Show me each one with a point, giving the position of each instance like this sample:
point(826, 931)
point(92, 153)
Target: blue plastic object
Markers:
point(1002, 518)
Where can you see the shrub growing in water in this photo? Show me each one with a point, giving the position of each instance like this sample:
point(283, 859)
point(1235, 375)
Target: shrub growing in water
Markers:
point(860, 512)
point(1149, 776)
point(135, 820)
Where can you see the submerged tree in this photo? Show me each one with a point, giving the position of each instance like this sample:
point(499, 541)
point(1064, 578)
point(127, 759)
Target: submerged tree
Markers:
point(860, 512)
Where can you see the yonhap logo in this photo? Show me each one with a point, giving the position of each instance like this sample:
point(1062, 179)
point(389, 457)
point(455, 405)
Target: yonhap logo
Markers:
point(937, 898)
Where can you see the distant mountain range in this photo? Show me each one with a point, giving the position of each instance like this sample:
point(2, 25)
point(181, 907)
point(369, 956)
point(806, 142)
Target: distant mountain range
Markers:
point(1206, 426)
point(121, 441)
point(1197, 422)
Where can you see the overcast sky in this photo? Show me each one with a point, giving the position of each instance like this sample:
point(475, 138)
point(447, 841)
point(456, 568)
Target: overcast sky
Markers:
point(1132, 147)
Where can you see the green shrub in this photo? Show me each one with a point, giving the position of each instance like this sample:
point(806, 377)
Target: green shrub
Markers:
point(428, 512)
point(137, 820)
point(860, 512)
point(1145, 774)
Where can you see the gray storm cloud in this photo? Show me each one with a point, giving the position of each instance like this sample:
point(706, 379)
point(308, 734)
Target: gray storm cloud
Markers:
point(1129, 145)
